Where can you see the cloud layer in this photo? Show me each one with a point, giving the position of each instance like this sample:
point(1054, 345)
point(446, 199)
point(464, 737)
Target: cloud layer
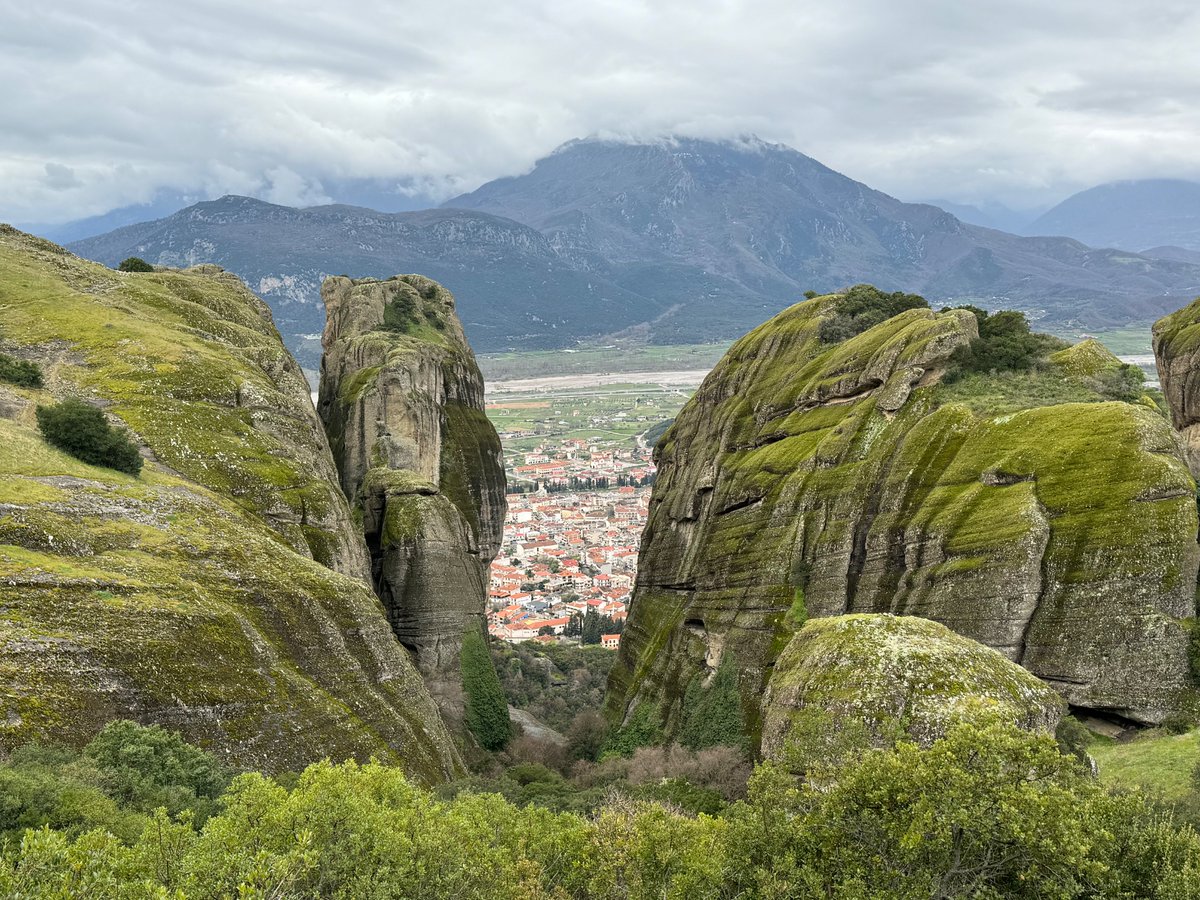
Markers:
point(106, 103)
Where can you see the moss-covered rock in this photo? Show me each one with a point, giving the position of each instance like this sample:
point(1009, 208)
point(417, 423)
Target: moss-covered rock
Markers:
point(889, 677)
point(1176, 340)
point(402, 402)
point(1062, 534)
point(223, 593)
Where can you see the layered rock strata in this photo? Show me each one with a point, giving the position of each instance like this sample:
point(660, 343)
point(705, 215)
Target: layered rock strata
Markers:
point(402, 402)
point(223, 592)
point(807, 479)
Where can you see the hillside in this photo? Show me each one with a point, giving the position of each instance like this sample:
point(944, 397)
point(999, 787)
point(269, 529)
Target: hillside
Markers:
point(671, 242)
point(1132, 215)
point(223, 591)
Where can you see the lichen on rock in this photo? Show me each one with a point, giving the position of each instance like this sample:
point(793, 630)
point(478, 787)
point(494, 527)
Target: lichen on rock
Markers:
point(223, 592)
point(1063, 535)
point(402, 401)
point(889, 677)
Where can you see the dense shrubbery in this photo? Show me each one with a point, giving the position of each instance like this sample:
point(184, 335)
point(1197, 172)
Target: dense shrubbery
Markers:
point(135, 264)
point(865, 306)
point(1005, 344)
point(19, 372)
point(81, 430)
point(126, 772)
point(555, 683)
point(987, 812)
point(712, 713)
point(487, 709)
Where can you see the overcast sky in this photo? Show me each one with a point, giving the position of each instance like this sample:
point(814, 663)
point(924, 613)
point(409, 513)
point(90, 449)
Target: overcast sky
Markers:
point(105, 101)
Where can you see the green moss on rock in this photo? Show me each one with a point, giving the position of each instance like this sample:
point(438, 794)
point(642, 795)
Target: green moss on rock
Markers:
point(220, 594)
point(887, 677)
point(1026, 511)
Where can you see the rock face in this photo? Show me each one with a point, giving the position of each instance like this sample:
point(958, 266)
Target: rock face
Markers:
point(223, 592)
point(402, 402)
point(1177, 354)
point(807, 479)
point(898, 676)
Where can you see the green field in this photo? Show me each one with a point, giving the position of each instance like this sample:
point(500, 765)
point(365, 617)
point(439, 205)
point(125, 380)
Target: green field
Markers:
point(609, 358)
point(613, 413)
point(1162, 763)
point(1131, 340)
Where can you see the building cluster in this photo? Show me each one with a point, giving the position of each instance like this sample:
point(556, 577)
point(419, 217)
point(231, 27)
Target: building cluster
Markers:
point(566, 553)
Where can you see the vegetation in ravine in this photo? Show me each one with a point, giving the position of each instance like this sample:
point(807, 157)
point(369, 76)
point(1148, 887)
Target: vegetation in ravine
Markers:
point(487, 709)
point(988, 811)
point(80, 429)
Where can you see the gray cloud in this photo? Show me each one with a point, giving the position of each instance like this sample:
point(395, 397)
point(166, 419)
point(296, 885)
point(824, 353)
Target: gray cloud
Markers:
point(106, 103)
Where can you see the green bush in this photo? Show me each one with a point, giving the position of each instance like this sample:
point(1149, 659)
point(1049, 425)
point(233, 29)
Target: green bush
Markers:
point(19, 372)
point(865, 306)
point(135, 264)
point(148, 767)
point(81, 430)
point(487, 709)
point(985, 812)
point(712, 714)
point(1005, 344)
point(641, 730)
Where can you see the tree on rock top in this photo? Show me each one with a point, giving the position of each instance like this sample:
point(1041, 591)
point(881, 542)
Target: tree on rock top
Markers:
point(135, 264)
point(81, 430)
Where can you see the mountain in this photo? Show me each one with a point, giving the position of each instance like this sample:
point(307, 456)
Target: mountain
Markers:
point(1132, 215)
point(989, 215)
point(225, 591)
point(1048, 514)
point(676, 241)
point(725, 232)
point(513, 288)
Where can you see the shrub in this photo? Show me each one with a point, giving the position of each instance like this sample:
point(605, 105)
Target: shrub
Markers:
point(19, 372)
point(81, 430)
point(865, 306)
point(487, 709)
point(712, 713)
point(148, 767)
point(1005, 344)
point(135, 264)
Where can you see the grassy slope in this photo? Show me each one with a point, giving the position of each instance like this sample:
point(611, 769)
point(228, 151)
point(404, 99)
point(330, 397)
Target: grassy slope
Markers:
point(189, 595)
point(1161, 763)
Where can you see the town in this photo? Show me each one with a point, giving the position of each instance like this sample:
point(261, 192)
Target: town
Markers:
point(569, 556)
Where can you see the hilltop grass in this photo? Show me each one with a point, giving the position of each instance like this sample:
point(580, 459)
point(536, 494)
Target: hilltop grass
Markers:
point(1161, 763)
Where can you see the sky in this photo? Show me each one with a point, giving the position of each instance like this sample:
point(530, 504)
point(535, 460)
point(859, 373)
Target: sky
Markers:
point(106, 104)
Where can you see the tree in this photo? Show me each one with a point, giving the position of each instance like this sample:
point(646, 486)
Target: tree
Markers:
point(135, 264)
point(81, 430)
point(487, 708)
point(590, 631)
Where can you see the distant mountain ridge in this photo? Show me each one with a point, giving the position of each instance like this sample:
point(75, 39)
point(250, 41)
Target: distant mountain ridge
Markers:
point(1133, 215)
point(674, 241)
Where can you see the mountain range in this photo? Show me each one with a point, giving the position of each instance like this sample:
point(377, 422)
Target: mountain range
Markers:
point(672, 241)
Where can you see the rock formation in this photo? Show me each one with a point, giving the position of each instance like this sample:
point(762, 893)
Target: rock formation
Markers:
point(402, 402)
point(221, 593)
point(890, 677)
point(809, 479)
point(1177, 354)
